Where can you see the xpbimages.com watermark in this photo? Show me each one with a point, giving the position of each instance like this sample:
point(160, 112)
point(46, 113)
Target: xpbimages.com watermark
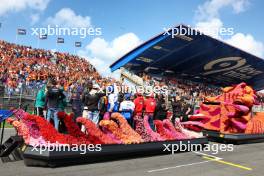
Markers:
point(183, 147)
point(83, 32)
point(146, 90)
point(81, 148)
point(185, 32)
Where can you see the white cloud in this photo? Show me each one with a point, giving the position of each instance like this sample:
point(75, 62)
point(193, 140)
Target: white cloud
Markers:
point(34, 18)
point(247, 43)
point(210, 27)
point(208, 21)
point(102, 53)
point(240, 6)
point(66, 17)
point(7, 6)
point(210, 9)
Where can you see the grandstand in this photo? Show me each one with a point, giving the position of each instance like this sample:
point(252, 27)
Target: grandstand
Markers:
point(193, 65)
point(24, 70)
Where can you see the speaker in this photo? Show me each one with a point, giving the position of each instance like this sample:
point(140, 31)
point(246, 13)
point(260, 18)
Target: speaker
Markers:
point(9, 150)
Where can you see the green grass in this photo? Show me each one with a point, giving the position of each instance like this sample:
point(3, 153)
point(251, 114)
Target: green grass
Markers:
point(7, 125)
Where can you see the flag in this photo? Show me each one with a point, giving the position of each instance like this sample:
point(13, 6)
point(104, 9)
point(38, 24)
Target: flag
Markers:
point(60, 40)
point(21, 31)
point(78, 44)
point(43, 36)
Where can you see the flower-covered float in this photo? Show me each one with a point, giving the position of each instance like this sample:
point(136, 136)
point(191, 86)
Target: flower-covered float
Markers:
point(36, 130)
point(230, 114)
point(112, 137)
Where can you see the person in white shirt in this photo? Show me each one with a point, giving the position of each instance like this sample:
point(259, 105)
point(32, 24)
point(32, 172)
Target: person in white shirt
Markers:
point(127, 108)
point(113, 103)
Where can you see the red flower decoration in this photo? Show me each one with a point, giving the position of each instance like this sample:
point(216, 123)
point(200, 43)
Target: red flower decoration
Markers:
point(162, 131)
point(154, 136)
point(50, 134)
point(170, 129)
point(94, 132)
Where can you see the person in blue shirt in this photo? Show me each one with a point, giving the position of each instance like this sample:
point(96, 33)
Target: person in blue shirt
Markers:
point(127, 108)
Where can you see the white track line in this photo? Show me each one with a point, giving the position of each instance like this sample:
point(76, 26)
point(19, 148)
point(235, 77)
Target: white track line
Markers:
point(211, 156)
point(191, 164)
point(184, 165)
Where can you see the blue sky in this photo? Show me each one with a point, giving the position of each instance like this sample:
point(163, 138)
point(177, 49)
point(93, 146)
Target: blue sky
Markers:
point(127, 23)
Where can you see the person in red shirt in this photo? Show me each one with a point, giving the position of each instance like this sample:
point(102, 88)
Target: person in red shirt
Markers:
point(150, 107)
point(139, 104)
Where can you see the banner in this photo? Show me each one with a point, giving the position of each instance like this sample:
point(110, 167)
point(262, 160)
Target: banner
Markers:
point(43, 36)
point(60, 40)
point(78, 44)
point(21, 31)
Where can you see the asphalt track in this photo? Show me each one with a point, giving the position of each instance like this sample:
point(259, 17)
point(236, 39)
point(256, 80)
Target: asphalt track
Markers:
point(245, 160)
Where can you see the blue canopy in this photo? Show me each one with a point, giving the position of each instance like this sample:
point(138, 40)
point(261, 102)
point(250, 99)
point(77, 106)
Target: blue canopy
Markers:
point(194, 56)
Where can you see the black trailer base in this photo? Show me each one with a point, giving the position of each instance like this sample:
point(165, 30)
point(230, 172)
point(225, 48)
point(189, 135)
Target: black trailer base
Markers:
point(237, 139)
point(47, 158)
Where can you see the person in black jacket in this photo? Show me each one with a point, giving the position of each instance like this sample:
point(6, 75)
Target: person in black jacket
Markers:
point(53, 96)
point(90, 101)
point(75, 100)
point(161, 109)
point(177, 110)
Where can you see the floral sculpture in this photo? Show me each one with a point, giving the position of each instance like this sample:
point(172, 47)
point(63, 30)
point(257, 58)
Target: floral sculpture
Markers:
point(231, 112)
point(154, 135)
point(114, 129)
point(166, 134)
point(140, 129)
point(49, 133)
point(126, 128)
point(94, 132)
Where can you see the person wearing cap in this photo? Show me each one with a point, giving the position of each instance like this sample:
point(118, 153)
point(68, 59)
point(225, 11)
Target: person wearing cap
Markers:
point(90, 101)
point(150, 107)
point(127, 108)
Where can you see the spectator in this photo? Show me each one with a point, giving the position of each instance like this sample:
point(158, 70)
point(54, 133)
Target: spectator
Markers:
point(139, 104)
point(63, 102)
point(161, 111)
point(127, 108)
point(150, 107)
point(40, 102)
point(102, 106)
point(113, 98)
point(90, 101)
point(54, 96)
point(187, 110)
point(176, 106)
point(76, 103)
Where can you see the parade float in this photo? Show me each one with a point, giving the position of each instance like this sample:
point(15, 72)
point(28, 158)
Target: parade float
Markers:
point(113, 138)
point(229, 116)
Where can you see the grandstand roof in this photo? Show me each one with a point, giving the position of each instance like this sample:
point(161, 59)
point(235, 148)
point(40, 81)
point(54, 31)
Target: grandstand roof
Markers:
point(196, 57)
